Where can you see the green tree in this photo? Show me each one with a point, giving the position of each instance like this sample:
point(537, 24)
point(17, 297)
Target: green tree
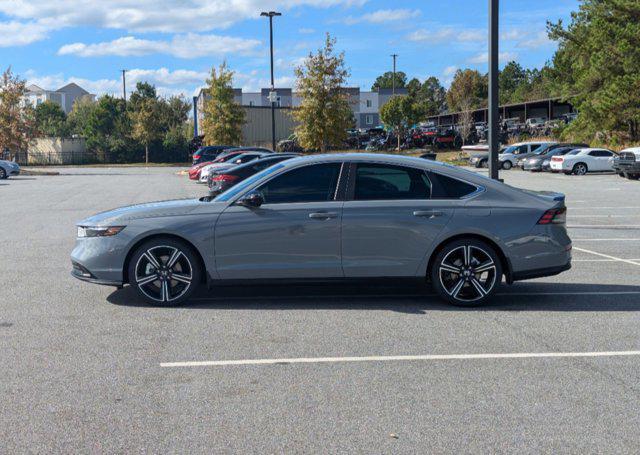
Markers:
point(16, 121)
point(431, 99)
point(511, 78)
point(145, 126)
point(398, 114)
point(386, 81)
point(223, 117)
point(469, 88)
point(51, 121)
point(324, 113)
point(597, 66)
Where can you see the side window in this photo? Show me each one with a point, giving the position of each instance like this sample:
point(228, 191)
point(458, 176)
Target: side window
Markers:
point(449, 188)
point(523, 149)
point(315, 183)
point(385, 182)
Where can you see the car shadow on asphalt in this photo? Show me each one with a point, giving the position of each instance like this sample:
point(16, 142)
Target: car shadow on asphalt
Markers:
point(413, 299)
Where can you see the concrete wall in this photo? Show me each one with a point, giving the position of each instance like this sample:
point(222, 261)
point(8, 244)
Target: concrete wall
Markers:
point(257, 129)
point(55, 150)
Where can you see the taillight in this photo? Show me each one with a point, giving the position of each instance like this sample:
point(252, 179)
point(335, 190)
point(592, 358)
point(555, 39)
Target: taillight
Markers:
point(225, 178)
point(554, 216)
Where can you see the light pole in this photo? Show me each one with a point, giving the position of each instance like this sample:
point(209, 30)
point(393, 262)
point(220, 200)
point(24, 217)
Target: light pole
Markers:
point(272, 94)
point(124, 86)
point(493, 89)
point(393, 80)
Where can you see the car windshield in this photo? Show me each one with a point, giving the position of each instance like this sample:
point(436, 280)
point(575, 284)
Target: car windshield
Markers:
point(239, 188)
point(542, 149)
point(510, 149)
point(574, 152)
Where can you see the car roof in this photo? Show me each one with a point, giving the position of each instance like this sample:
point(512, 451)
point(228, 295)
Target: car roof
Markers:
point(517, 144)
point(589, 149)
point(632, 149)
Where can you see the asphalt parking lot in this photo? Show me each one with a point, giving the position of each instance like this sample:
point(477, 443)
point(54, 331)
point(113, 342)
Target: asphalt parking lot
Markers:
point(89, 369)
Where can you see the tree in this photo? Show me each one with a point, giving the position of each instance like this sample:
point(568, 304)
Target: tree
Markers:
point(16, 121)
point(223, 117)
point(431, 99)
point(597, 66)
point(398, 114)
point(386, 81)
point(145, 126)
point(324, 113)
point(51, 121)
point(468, 88)
point(465, 120)
point(511, 78)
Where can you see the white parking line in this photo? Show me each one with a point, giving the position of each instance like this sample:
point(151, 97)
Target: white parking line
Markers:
point(379, 358)
point(597, 208)
point(606, 240)
point(603, 216)
point(627, 261)
point(608, 226)
point(600, 260)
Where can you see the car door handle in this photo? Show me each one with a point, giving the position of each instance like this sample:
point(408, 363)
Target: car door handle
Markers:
point(427, 213)
point(322, 215)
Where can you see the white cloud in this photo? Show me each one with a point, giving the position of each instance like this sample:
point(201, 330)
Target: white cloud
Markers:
point(167, 82)
point(448, 34)
point(449, 70)
point(16, 33)
point(540, 39)
point(483, 57)
point(190, 45)
point(383, 15)
point(168, 16)
point(306, 31)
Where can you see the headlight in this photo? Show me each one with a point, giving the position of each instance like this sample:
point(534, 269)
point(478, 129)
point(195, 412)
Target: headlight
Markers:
point(98, 231)
point(545, 162)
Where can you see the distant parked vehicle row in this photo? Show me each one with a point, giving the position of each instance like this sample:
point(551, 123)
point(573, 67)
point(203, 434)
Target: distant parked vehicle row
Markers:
point(583, 160)
point(8, 168)
point(627, 164)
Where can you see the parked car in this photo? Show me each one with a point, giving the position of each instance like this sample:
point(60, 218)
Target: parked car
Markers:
point(221, 181)
point(627, 163)
point(241, 158)
point(542, 162)
point(536, 122)
point(583, 160)
point(518, 151)
point(194, 172)
point(341, 216)
point(545, 148)
point(208, 153)
point(8, 168)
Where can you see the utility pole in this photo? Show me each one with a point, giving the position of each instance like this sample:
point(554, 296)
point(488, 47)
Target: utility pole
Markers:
point(124, 86)
point(393, 80)
point(494, 130)
point(195, 116)
point(272, 93)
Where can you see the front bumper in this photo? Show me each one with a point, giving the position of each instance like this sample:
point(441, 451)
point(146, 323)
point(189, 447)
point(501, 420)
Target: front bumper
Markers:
point(629, 168)
point(100, 260)
point(537, 166)
point(14, 172)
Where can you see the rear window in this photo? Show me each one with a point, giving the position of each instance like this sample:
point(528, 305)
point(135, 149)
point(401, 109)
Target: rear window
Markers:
point(445, 187)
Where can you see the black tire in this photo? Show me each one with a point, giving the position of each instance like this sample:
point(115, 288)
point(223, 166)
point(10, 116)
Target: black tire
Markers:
point(3, 174)
point(579, 169)
point(167, 289)
point(455, 276)
point(484, 164)
point(506, 165)
point(633, 176)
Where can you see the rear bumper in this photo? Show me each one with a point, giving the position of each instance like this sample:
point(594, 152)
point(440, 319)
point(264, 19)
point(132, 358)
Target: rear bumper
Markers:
point(539, 273)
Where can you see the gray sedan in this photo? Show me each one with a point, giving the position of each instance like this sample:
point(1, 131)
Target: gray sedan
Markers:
point(342, 216)
point(8, 168)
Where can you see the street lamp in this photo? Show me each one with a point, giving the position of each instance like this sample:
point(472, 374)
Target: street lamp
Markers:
point(272, 94)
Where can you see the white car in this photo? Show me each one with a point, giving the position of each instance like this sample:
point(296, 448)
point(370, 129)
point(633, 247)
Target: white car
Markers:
point(512, 154)
point(583, 160)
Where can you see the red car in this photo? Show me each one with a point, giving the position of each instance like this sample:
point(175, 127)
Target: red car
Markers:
point(194, 172)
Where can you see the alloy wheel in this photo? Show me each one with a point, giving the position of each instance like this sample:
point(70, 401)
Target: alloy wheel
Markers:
point(580, 169)
point(467, 273)
point(163, 273)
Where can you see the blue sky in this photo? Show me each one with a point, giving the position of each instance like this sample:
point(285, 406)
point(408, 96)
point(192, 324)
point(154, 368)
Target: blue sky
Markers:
point(174, 43)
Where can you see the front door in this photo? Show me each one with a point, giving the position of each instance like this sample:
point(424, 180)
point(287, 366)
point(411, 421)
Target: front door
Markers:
point(294, 234)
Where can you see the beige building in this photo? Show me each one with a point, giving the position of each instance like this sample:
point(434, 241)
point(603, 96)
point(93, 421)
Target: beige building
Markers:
point(64, 96)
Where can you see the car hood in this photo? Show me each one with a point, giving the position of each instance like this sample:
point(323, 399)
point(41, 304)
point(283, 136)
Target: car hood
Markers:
point(9, 163)
point(152, 210)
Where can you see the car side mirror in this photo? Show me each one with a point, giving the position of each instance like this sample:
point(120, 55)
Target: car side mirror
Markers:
point(252, 200)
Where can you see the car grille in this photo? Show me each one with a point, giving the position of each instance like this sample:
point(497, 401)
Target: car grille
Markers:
point(628, 156)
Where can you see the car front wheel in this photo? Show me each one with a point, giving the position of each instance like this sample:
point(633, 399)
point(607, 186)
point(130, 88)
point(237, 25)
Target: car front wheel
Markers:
point(3, 174)
point(164, 272)
point(506, 165)
point(466, 272)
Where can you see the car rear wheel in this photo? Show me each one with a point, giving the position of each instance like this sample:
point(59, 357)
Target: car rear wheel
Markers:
point(164, 272)
point(466, 272)
point(506, 165)
point(580, 169)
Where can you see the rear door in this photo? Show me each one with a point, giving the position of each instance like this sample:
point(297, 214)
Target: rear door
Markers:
point(389, 220)
point(602, 157)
